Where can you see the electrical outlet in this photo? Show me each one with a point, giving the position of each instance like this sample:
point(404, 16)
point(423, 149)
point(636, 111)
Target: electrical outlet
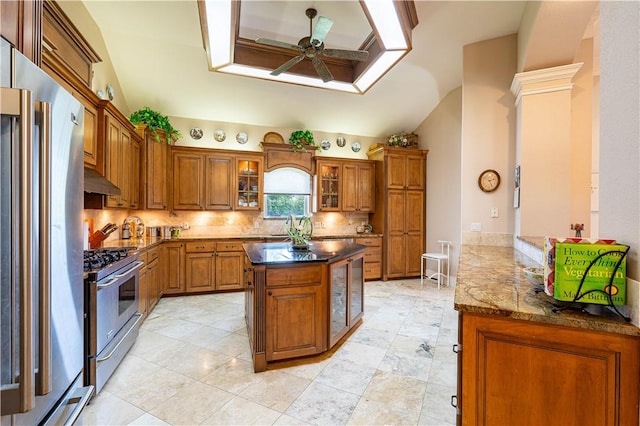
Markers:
point(476, 227)
point(256, 224)
point(317, 225)
point(185, 226)
point(494, 212)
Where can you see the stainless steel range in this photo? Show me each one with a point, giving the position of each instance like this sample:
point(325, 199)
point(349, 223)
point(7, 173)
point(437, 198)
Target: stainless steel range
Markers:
point(111, 310)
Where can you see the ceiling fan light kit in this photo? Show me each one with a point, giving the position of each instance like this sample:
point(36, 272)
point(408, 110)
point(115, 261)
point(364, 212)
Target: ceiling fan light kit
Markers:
point(390, 40)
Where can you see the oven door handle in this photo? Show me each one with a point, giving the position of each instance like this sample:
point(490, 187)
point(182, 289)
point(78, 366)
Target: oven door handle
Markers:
point(110, 354)
point(107, 284)
point(137, 265)
point(117, 277)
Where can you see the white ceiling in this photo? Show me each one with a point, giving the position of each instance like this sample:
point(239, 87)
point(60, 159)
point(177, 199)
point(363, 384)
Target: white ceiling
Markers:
point(157, 52)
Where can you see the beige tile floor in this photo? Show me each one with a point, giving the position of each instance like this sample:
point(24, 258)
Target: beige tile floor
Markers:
point(191, 365)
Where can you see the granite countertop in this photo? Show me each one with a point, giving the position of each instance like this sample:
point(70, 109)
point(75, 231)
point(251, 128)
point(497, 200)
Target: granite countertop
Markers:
point(281, 253)
point(490, 281)
point(148, 242)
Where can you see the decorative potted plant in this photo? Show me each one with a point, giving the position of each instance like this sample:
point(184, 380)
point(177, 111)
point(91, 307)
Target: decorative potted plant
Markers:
point(301, 140)
point(155, 121)
point(299, 231)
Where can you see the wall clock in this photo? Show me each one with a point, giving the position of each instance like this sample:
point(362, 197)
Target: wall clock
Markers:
point(489, 180)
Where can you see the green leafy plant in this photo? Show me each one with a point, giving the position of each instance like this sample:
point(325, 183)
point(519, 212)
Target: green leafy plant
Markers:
point(299, 230)
point(155, 121)
point(301, 140)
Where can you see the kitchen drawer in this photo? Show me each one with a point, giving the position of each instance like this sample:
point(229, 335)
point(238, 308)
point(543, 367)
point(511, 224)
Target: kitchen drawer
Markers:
point(229, 246)
point(143, 257)
point(297, 275)
point(201, 247)
point(153, 254)
point(373, 254)
point(372, 271)
point(369, 242)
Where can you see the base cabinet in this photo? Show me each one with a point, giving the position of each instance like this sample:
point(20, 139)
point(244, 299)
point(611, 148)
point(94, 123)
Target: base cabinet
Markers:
point(212, 266)
point(372, 257)
point(154, 284)
point(173, 262)
point(148, 286)
point(525, 373)
point(295, 323)
point(346, 296)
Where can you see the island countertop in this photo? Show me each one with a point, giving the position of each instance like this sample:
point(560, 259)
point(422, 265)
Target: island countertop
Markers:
point(490, 281)
point(281, 253)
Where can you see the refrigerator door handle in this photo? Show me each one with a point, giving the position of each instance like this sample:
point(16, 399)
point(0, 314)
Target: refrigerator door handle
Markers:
point(20, 397)
point(43, 376)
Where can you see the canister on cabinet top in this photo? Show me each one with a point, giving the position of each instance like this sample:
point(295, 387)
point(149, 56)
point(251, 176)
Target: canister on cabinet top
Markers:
point(153, 231)
point(167, 232)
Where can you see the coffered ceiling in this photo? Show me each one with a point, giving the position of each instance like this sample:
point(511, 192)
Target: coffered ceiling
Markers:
point(156, 48)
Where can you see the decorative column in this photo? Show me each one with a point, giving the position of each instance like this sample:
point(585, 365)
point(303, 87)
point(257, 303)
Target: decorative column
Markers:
point(544, 151)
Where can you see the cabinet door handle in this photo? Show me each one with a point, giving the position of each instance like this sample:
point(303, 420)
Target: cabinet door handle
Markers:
point(454, 401)
point(457, 348)
point(269, 293)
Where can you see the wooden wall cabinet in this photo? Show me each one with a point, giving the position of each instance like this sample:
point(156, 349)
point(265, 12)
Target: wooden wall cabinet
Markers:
point(358, 186)
point(153, 169)
point(346, 186)
point(188, 180)
point(400, 208)
point(329, 188)
point(122, 156)
point(21, 25)
point(249, 169)
point(216, 180)
point(173, 264)
point(372, 257)
point(517, 372)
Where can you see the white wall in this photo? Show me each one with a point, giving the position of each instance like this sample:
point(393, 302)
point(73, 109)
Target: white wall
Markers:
point(620, 136)
point(440, 133)
point(488, 139)
point(620, 126)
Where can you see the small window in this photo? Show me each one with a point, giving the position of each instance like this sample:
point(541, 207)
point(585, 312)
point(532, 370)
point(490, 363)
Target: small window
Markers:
point(286, 191)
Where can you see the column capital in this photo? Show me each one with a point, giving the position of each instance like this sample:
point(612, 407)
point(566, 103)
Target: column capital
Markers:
point(543, 80)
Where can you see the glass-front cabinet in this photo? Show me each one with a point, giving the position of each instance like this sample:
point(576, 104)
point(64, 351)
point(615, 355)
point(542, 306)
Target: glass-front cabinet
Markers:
point(347, 296)
point(249, 183)
point(329, 181)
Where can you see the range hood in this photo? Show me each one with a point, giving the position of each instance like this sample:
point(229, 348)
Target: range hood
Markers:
point(98, 184)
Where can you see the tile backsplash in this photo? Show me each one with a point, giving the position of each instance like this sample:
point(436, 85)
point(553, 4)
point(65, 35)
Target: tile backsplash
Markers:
point(196, 223)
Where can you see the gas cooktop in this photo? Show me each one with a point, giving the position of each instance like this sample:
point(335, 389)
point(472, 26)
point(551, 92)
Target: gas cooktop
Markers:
point(103, 258)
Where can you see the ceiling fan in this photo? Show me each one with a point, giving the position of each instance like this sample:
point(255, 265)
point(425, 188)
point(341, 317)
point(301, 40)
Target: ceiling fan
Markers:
point(313, 46)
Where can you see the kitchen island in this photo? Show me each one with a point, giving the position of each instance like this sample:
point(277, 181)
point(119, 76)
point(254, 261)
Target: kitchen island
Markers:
point(301, 303)
point(522, 362)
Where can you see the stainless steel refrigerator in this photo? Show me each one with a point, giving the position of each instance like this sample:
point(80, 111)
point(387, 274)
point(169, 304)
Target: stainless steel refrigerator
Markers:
point(41, 274)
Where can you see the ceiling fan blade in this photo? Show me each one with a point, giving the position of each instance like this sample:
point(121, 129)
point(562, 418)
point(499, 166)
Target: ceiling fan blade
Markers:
point(321, 30)
point(322, 69)
point(277, 43)
point(291, 62)
point(354, 55)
